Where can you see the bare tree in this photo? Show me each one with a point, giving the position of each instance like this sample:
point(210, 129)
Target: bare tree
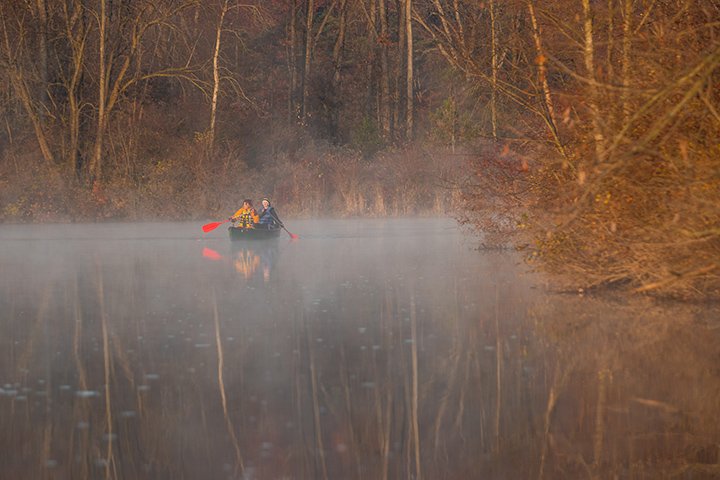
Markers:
point(21, 84)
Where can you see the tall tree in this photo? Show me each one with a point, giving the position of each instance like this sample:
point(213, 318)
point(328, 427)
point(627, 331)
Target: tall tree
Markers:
point(593, 97)
point(309, 17)
point(292, 62)
point(494, 68)
point(409, 111)
point(384, 41)
point(216, 74)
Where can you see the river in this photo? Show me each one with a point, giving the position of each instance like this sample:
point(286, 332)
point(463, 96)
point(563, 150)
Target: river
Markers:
point(372, 349)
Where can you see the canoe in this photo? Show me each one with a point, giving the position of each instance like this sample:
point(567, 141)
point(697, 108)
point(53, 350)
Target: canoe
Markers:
point(238, 233)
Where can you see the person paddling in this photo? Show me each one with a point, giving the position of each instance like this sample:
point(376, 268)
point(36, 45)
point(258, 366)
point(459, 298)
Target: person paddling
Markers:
point(268, 216)
point(246, 216)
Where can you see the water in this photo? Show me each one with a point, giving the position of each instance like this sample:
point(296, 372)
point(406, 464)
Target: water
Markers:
point(367, 349)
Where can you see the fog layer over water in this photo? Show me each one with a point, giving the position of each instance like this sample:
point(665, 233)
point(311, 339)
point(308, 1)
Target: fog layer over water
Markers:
point(373, 349)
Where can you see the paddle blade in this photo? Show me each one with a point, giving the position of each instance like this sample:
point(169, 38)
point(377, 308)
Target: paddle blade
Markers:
point(211, 226)
point(293, 236)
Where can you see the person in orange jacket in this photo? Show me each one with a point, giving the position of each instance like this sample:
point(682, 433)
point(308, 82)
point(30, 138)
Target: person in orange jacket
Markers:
point(246, 216)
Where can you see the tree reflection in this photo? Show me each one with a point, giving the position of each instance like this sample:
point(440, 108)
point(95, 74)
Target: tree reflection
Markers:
point(369, 379)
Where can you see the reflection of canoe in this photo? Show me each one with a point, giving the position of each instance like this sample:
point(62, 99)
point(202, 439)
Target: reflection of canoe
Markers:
point(237, 233)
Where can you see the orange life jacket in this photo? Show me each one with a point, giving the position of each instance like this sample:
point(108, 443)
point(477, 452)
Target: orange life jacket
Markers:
point(247, 217)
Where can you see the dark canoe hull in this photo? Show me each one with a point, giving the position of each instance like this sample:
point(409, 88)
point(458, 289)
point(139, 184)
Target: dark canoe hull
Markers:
point(253, 234)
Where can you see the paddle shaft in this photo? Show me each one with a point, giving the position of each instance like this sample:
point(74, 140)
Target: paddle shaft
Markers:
point(292, 235)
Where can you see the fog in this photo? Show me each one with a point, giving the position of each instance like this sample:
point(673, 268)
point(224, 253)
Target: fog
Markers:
point(380, 349)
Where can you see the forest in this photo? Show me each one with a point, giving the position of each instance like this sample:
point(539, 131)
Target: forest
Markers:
point(585, 133)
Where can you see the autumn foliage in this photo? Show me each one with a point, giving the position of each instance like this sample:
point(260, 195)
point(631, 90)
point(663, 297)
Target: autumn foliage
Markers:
point(586, 132)
point(609, 169)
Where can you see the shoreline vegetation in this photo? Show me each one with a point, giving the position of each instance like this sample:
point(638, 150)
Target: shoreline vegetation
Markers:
point(586, 134)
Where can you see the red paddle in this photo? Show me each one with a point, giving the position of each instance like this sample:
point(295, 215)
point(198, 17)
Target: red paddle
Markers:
point(292, 235)
point(212, 226)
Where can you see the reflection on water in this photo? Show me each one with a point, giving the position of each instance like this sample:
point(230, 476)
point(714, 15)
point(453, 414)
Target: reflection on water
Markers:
point(372, 349)
point(255, 259)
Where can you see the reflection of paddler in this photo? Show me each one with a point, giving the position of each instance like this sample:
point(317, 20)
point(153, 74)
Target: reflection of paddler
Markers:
point(248, 260)
point(246, 263)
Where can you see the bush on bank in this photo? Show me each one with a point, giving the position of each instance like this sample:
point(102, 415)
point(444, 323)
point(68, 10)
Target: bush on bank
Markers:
point(320, 181)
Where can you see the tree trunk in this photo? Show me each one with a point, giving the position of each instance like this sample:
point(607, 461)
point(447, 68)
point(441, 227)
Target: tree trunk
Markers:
point(589, 58)
point(109, 92)
point(409, 93)
point(292, 64)
point(625, 66)
point(216, 77)
point(611, 39)
point(384, 73)
point(339, 45)
point(42, 56)
point(494, 62)
point(337, 70)
point(309, 16)
point(399, 72)
point(75, 32)
point(542, 77)
point(371, 102)
point(23, 92)
point(96, 161)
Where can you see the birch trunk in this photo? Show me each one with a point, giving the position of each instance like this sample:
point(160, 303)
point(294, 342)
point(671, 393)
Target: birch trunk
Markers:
point(216, 77)
point(542, 78)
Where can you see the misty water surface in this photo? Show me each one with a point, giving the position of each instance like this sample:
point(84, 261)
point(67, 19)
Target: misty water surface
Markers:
point(374, 349)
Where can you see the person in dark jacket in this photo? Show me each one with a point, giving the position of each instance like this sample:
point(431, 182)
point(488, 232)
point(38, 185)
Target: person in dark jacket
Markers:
point(268, 216)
